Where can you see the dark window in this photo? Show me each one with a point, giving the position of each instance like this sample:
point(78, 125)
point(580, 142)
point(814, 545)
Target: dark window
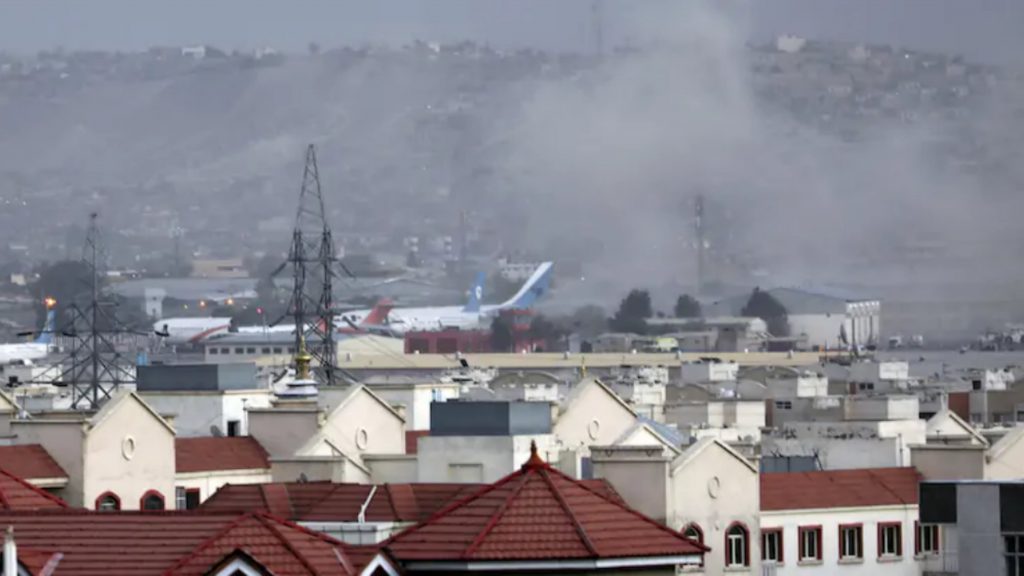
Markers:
point(851, 542)
point(107, 502)
point(890, 539)
point(771, 545)
point(693, 532)
point(265, 350)
point(233, 427)
point(214, 350)
point(251, 350)
point(810, 543)
point(152, 500)
point(277, 349)
point(784, 404)
point(187, 498)
point(927, 540)
point(239, 350)
point(737, 546)
point(1013, 551)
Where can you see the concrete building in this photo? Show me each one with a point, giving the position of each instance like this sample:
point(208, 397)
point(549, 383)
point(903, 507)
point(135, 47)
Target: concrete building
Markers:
point(121, 457)
point(708, 491)
point(851, 521)
point(592, 414)
point(412, 398)
point(203, 465)
point(205, 399)
point(848, 444)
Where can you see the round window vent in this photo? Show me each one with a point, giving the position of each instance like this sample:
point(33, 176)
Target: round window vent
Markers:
point(362, 438)
point(128, 447)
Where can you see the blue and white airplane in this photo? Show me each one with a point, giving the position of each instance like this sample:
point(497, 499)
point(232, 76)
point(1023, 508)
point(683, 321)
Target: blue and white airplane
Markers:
point(28, 351)
point(472, 315)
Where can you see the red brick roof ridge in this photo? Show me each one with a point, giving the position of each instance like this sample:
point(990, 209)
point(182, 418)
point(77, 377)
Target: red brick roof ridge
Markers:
point(32, 487)
point(629, 509)
point(319, 535)
point(263, 519)
point(885, 485)
point(208, 542)
point(543, 471)
point(493, 520)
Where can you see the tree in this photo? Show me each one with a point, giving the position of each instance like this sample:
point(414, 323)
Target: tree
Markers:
point(764, 306)
point(502, 338)
point(633, 311)
point(687, 307)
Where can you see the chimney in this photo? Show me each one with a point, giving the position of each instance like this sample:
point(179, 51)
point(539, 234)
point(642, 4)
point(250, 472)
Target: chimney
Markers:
point(10, 553)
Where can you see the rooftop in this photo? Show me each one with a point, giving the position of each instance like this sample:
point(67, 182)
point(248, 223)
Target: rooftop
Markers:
point(219, 453)
point(17, 494)
point(30, 461)
point(539, 514)
point(839, 488)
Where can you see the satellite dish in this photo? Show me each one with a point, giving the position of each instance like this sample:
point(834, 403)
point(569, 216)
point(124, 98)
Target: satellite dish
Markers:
point(215, 431)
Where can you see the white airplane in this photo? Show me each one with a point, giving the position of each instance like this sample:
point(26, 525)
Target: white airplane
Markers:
point(28, 351)
point(190, 330)
point(472, 315)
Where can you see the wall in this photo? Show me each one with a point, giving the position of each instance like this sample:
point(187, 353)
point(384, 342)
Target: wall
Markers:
point(210, 482)
point(416, 398)
point(881, 408)
point(593, 418)
point(715, 489)
point(110, 466)
point(1009, 465)
point(364, 425)
point(283, 431)
point(64, 440)
point(980, 543)
point(840, 454)
point(477, 458)
point(314, 469)
point(640, 476)
point(941, 462)
point(829, 520)
point(394, 469)
point(821, 329)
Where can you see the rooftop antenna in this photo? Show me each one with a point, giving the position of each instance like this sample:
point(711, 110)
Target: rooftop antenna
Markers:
point(597, 23)
point(97, 367)
point(698, 231)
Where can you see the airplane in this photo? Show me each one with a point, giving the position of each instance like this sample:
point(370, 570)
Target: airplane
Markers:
point(372, 323)
point(28, 351)
point(190, 330)
point(472, 315)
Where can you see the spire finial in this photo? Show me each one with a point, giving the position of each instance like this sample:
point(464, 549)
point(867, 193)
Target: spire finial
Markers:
point(302, 360)
point(535, 460)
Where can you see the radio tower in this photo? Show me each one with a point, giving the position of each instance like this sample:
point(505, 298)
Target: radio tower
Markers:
point(97, 369)
point(313, 261)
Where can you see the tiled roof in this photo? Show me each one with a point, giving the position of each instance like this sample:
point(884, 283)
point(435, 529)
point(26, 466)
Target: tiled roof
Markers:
point(412, 438)
point(839, 488)
point(30, 461)
point(537, 514)
point(219, 453)
point(17, 494)
point(280, 547)
point(329, 502)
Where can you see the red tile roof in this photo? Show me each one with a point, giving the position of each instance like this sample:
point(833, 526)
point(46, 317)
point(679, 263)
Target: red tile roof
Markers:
point(30, 461)
point(412, 438)
point(839, 488)
point(328, 502)
point(538, 514)
point(219, 453)
point(17, 494)
point(135, 543)
point(278, 546)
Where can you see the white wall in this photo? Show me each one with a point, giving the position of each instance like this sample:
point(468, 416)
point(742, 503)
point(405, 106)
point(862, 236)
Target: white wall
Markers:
point(416, 398)
point(477, 458)
point(829, 520)
point(210, 482)
point(195, 412)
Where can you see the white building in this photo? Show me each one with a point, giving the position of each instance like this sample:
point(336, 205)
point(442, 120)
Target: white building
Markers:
point(859, 522)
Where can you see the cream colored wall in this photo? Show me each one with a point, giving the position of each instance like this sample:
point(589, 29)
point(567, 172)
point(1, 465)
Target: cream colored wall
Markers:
point(385, 431)
point(290, 470)
point(642, 482)
point(941, 462)
point(210, 482)
point(943, 426)
point(573, 426)
point(64, 441)
point(282, 432)
point(1008, 466)
point(396, 469)
point(108, 468)
point(738, 499)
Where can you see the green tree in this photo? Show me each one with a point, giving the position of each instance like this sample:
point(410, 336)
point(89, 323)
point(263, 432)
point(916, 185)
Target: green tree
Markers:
point(502, 338)
point(764, 306)
point(687, 307)
point(633, 311)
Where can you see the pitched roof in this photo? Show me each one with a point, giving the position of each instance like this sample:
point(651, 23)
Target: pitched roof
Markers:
point(329, 502)
point(219, 453)
point(278, 546)
point(17, 494)
point(945, 414)
point(695, 449)
point(30, 461)
point(538, 514)
point(839, 488)
point(577, 391)
point(118, 400)
point(1007, 441)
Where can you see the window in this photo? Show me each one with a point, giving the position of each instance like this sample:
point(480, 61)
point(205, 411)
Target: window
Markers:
point(693, 532)
point(1014, 553)
point(265, 350)
point(771, 545)
point(214, 350)
point(233, 427)
point(784, 404)
point(926, 540)
point(225, 350)
point(810, 543)
point(890, 540)
point(737, 546)
point(239, 350)
point(186, 498)
point(108, 501)
point(152, 500)
point(277, 349)
point(250, 350)
point(851, 542)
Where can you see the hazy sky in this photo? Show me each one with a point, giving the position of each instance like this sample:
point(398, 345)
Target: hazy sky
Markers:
point(982, 29)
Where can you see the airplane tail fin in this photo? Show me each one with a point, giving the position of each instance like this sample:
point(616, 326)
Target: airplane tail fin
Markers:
point(378, 316)
point(533, 289)
point(476, 294)
point(46, 335)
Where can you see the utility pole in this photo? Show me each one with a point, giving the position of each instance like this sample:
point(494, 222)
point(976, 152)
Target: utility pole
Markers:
point(597, 23)
point(698, 231)
point(313, 261)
